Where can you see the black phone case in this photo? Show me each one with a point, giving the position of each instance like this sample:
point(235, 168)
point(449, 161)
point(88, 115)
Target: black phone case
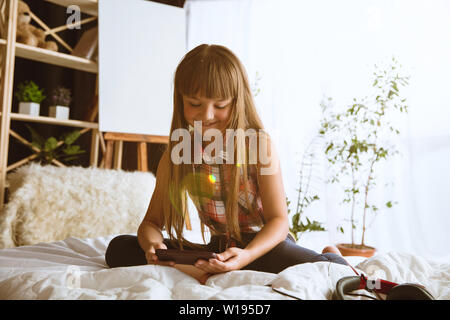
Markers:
point(183, 256)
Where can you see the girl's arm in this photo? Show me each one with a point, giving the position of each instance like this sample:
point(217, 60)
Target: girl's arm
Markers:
point(273, 200)
point(149, 232)
point(275, 229)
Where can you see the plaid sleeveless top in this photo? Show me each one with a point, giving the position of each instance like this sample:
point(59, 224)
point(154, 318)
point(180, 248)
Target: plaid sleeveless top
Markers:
point(211, 183)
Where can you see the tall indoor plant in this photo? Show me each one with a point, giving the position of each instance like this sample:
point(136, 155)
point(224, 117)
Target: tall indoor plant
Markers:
point(356, 140)
point(307, 194)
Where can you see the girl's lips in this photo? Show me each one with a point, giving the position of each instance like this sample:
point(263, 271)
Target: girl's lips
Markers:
point(209, 124)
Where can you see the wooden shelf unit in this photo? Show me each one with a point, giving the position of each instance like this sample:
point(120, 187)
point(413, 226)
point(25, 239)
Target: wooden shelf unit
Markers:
point(9, 49)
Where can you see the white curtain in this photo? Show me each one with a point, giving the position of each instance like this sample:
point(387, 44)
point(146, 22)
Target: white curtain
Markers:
point(305, 50)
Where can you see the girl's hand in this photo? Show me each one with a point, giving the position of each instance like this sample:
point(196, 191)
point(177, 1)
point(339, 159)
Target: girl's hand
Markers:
point(231, 259)
point(152, 258)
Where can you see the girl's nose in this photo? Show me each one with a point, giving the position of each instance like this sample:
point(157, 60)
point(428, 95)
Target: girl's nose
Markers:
point(208, 113)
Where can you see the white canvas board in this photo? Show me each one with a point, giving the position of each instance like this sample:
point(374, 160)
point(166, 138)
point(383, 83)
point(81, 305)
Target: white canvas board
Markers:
point(140, 45)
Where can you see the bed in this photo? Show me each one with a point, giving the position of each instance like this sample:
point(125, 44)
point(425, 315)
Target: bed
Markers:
point(75, 269)
point(69, 264)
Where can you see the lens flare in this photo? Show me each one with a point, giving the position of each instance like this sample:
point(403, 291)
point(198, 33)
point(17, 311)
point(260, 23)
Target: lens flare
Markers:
point(198, 186)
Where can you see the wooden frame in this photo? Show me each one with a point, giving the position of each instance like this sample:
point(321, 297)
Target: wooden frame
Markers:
point(8, 54)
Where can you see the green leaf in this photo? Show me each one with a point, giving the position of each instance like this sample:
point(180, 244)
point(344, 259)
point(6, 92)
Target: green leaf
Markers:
point(394, 85)
point(36, 138)
point(36, 145)
point(50, 144)
point(72, 150)
point(389, 204)
point(71, 137)
point(329, 147)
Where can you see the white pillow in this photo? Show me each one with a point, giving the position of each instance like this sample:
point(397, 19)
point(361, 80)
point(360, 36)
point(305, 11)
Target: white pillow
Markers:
point(49, 203)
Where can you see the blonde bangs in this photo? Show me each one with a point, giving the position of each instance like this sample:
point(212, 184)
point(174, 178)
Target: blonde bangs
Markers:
point(208, 73)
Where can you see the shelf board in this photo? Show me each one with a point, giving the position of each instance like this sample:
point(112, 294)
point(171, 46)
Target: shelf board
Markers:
point(86, 6)
point(55, 58)
point(54, 121)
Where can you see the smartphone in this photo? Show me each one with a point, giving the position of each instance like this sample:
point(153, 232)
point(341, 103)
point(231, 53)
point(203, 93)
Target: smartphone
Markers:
point(183, 256)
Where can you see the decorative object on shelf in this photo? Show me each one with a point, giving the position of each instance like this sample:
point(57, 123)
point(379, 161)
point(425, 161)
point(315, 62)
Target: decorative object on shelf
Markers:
point(357, 139)
point(87, 47)
point(60, 102)
point(29, 34)
point(51, 149)
point(30, 97)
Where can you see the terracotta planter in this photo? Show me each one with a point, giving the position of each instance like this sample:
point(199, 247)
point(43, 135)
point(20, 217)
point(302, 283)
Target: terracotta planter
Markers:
point(347, 250)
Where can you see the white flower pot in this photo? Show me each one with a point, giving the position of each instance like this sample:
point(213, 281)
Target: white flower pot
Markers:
point(59, 112)
point(29, 108)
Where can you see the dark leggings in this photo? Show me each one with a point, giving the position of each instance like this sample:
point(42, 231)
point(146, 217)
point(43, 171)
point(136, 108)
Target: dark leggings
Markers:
point(125, 251)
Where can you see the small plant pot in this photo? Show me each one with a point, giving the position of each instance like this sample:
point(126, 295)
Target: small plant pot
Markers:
point(59, 112)
point(357, 250)
point(29, 108)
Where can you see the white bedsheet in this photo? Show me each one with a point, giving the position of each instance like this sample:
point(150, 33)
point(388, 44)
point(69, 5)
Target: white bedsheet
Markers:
point(75, 269)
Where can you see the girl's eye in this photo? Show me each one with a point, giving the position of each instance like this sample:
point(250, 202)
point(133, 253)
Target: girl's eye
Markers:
point(198, 105)
point(221, 107)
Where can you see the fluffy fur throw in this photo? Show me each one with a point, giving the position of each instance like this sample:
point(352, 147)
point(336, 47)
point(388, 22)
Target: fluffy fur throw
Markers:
point(50, 203)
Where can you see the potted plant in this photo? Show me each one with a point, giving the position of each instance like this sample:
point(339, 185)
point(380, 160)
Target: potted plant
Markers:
point(61, 149)
point(29, 96)
point(305, 197)
point(60, 101)
point(357, 139)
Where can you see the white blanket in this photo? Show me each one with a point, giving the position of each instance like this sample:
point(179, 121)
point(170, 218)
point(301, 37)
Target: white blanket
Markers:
point(75, 269)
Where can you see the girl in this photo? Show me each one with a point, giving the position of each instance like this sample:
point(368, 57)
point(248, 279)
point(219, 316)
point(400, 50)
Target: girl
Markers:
point(243, 205)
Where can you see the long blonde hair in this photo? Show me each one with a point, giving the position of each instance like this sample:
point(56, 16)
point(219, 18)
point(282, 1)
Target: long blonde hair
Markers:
point(211, 71)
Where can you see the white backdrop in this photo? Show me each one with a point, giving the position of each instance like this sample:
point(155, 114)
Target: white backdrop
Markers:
point(305, 50)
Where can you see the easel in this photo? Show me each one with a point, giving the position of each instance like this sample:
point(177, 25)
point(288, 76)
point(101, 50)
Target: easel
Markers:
point(114, 145)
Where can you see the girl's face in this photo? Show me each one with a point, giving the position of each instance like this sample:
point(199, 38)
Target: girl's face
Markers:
point(214, 113)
